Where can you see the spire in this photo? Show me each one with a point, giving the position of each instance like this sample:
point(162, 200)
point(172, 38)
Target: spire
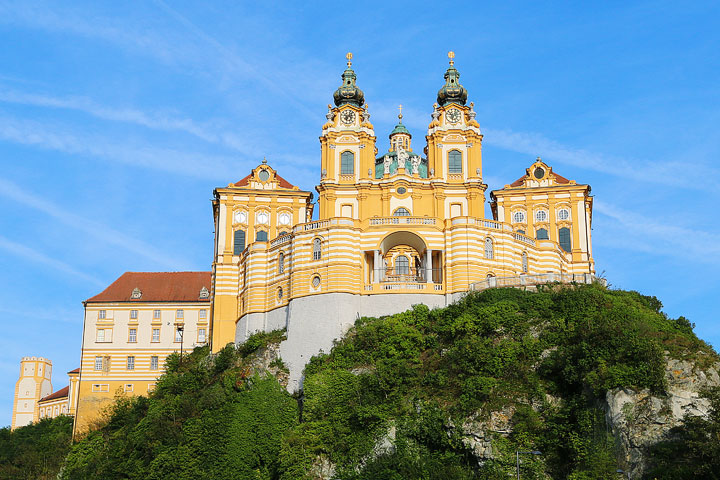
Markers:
point(452, 91)
point(348, 92)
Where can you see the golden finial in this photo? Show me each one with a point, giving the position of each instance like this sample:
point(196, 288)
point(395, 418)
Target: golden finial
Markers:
point(451, 56)
point(400, 112)
point(349, 58)
point(264, 161)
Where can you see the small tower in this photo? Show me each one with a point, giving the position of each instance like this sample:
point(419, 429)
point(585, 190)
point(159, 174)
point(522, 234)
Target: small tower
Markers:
point(400, 136)
point(34, 383)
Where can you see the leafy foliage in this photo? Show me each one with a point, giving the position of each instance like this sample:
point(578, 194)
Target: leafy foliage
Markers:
point(392, 398)
point(36, 451)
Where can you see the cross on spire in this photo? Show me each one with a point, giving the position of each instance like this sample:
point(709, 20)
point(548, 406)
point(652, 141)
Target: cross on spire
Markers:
point(451, 56)
point(400, 112)
point(349, 58)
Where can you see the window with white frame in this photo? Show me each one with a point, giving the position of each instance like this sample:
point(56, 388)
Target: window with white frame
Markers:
point(202, 315)
point(317, 249)
point(454, 161)
point(402, 265)
point(102, 314)
point(100, 337)
point(281, 262)
point(180, 314)
point(518, 217)
point(541, 216)
point(131, 362)
point(154, 362)
point(401, 212)
point(128, 387)
point(563, 214)
point(155, 335)
point(98, 364)
point(133, 314)
point(201, 335)
point(156, 314)
point(178, 335)
point(132, 335)
point(489, 249)
point(347, 163)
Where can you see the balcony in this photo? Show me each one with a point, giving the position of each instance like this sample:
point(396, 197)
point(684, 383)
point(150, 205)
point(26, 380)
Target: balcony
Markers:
point(410, 280)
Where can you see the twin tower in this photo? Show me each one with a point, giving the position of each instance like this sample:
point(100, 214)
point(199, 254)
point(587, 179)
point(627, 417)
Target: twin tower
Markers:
point(394, 229)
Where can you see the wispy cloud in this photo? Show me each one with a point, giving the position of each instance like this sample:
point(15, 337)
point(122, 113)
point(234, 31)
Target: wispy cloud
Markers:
point(661, 172)
point(58, 138)
point(34, 256)
point(107, 234)
point(153, 120)
point(667, 239)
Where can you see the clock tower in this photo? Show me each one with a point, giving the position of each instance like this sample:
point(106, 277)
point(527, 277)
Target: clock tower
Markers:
point(348, 150)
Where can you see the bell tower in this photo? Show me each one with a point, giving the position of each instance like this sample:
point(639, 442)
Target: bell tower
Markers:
point(454, 149)
point(348, 149)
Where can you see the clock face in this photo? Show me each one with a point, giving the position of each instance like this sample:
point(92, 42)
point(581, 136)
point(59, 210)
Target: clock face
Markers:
point(284, 219)
point(240, 217)
point(453, 115)
point(348, 117)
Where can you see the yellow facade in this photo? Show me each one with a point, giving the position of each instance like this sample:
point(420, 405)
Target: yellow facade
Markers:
point(126, 340)
point(34, 383)
point(398, 222)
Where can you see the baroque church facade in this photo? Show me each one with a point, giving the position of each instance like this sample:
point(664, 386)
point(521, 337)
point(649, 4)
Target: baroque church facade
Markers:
point(394, 229)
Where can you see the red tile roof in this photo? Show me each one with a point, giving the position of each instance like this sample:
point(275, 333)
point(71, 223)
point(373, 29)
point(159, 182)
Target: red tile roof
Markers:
point(77, 370)
point(281, 181)
point(156, 287)
point(63, 392)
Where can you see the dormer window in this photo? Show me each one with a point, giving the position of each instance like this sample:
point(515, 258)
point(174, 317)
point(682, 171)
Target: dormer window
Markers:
point(204, 293)
point(136, 294)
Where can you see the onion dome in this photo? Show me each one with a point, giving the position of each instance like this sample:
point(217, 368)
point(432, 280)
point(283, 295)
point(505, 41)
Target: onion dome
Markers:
point(452, 91)
point(348, 93)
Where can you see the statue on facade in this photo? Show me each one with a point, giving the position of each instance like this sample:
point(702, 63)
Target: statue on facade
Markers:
point(386, 163)
point(415, 160)
point(403, 156)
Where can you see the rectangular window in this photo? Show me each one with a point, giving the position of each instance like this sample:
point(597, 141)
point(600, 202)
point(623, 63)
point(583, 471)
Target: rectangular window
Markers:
point(151, 387)
point(178, 335)
point(201, 335)
point(102, 314)
point(155, 334)
point(100, 387)
point(100, 337)
point(133, 314)
point(132, 335)
point(156, 314)
point(154, 362)
point(180, 314)
point(131, 363)
point(128, 387)
point(98, 364)
point(203, 314)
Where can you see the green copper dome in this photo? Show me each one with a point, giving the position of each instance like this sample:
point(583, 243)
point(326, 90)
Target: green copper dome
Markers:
point(348, 92)
point(452, 91)
point(400, 128)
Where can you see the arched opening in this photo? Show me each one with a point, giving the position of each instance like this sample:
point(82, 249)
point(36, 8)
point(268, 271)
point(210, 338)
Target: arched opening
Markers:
point(564, 239)
point(401, 212)
point(347, 163)
point(455, 161)
point(261, 236)
point(489, 249)
point(403, 258)
point(542, 234)
point(317, 249)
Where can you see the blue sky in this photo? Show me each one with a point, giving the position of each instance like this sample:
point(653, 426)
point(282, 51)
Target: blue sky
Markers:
point(117, 120)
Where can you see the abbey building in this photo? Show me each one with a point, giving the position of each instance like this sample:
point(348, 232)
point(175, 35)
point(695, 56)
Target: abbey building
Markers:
point(393, 229)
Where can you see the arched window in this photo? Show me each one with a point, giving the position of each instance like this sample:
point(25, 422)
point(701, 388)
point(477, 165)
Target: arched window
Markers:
point(402, 265)
point(521, 231)
point(454, 161)
point(489, 250)
point(261, 236)
point(524, 262)
point(238, 242)
point(518, 217)
point(317, 249)
point(564, 239)
point(541, 234)
point(347, 163)
point(401, 212)
point(281, 263)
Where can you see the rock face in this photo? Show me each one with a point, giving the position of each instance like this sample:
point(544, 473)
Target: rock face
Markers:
point(639, 419)
point(267, 360)
point(477, 434)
